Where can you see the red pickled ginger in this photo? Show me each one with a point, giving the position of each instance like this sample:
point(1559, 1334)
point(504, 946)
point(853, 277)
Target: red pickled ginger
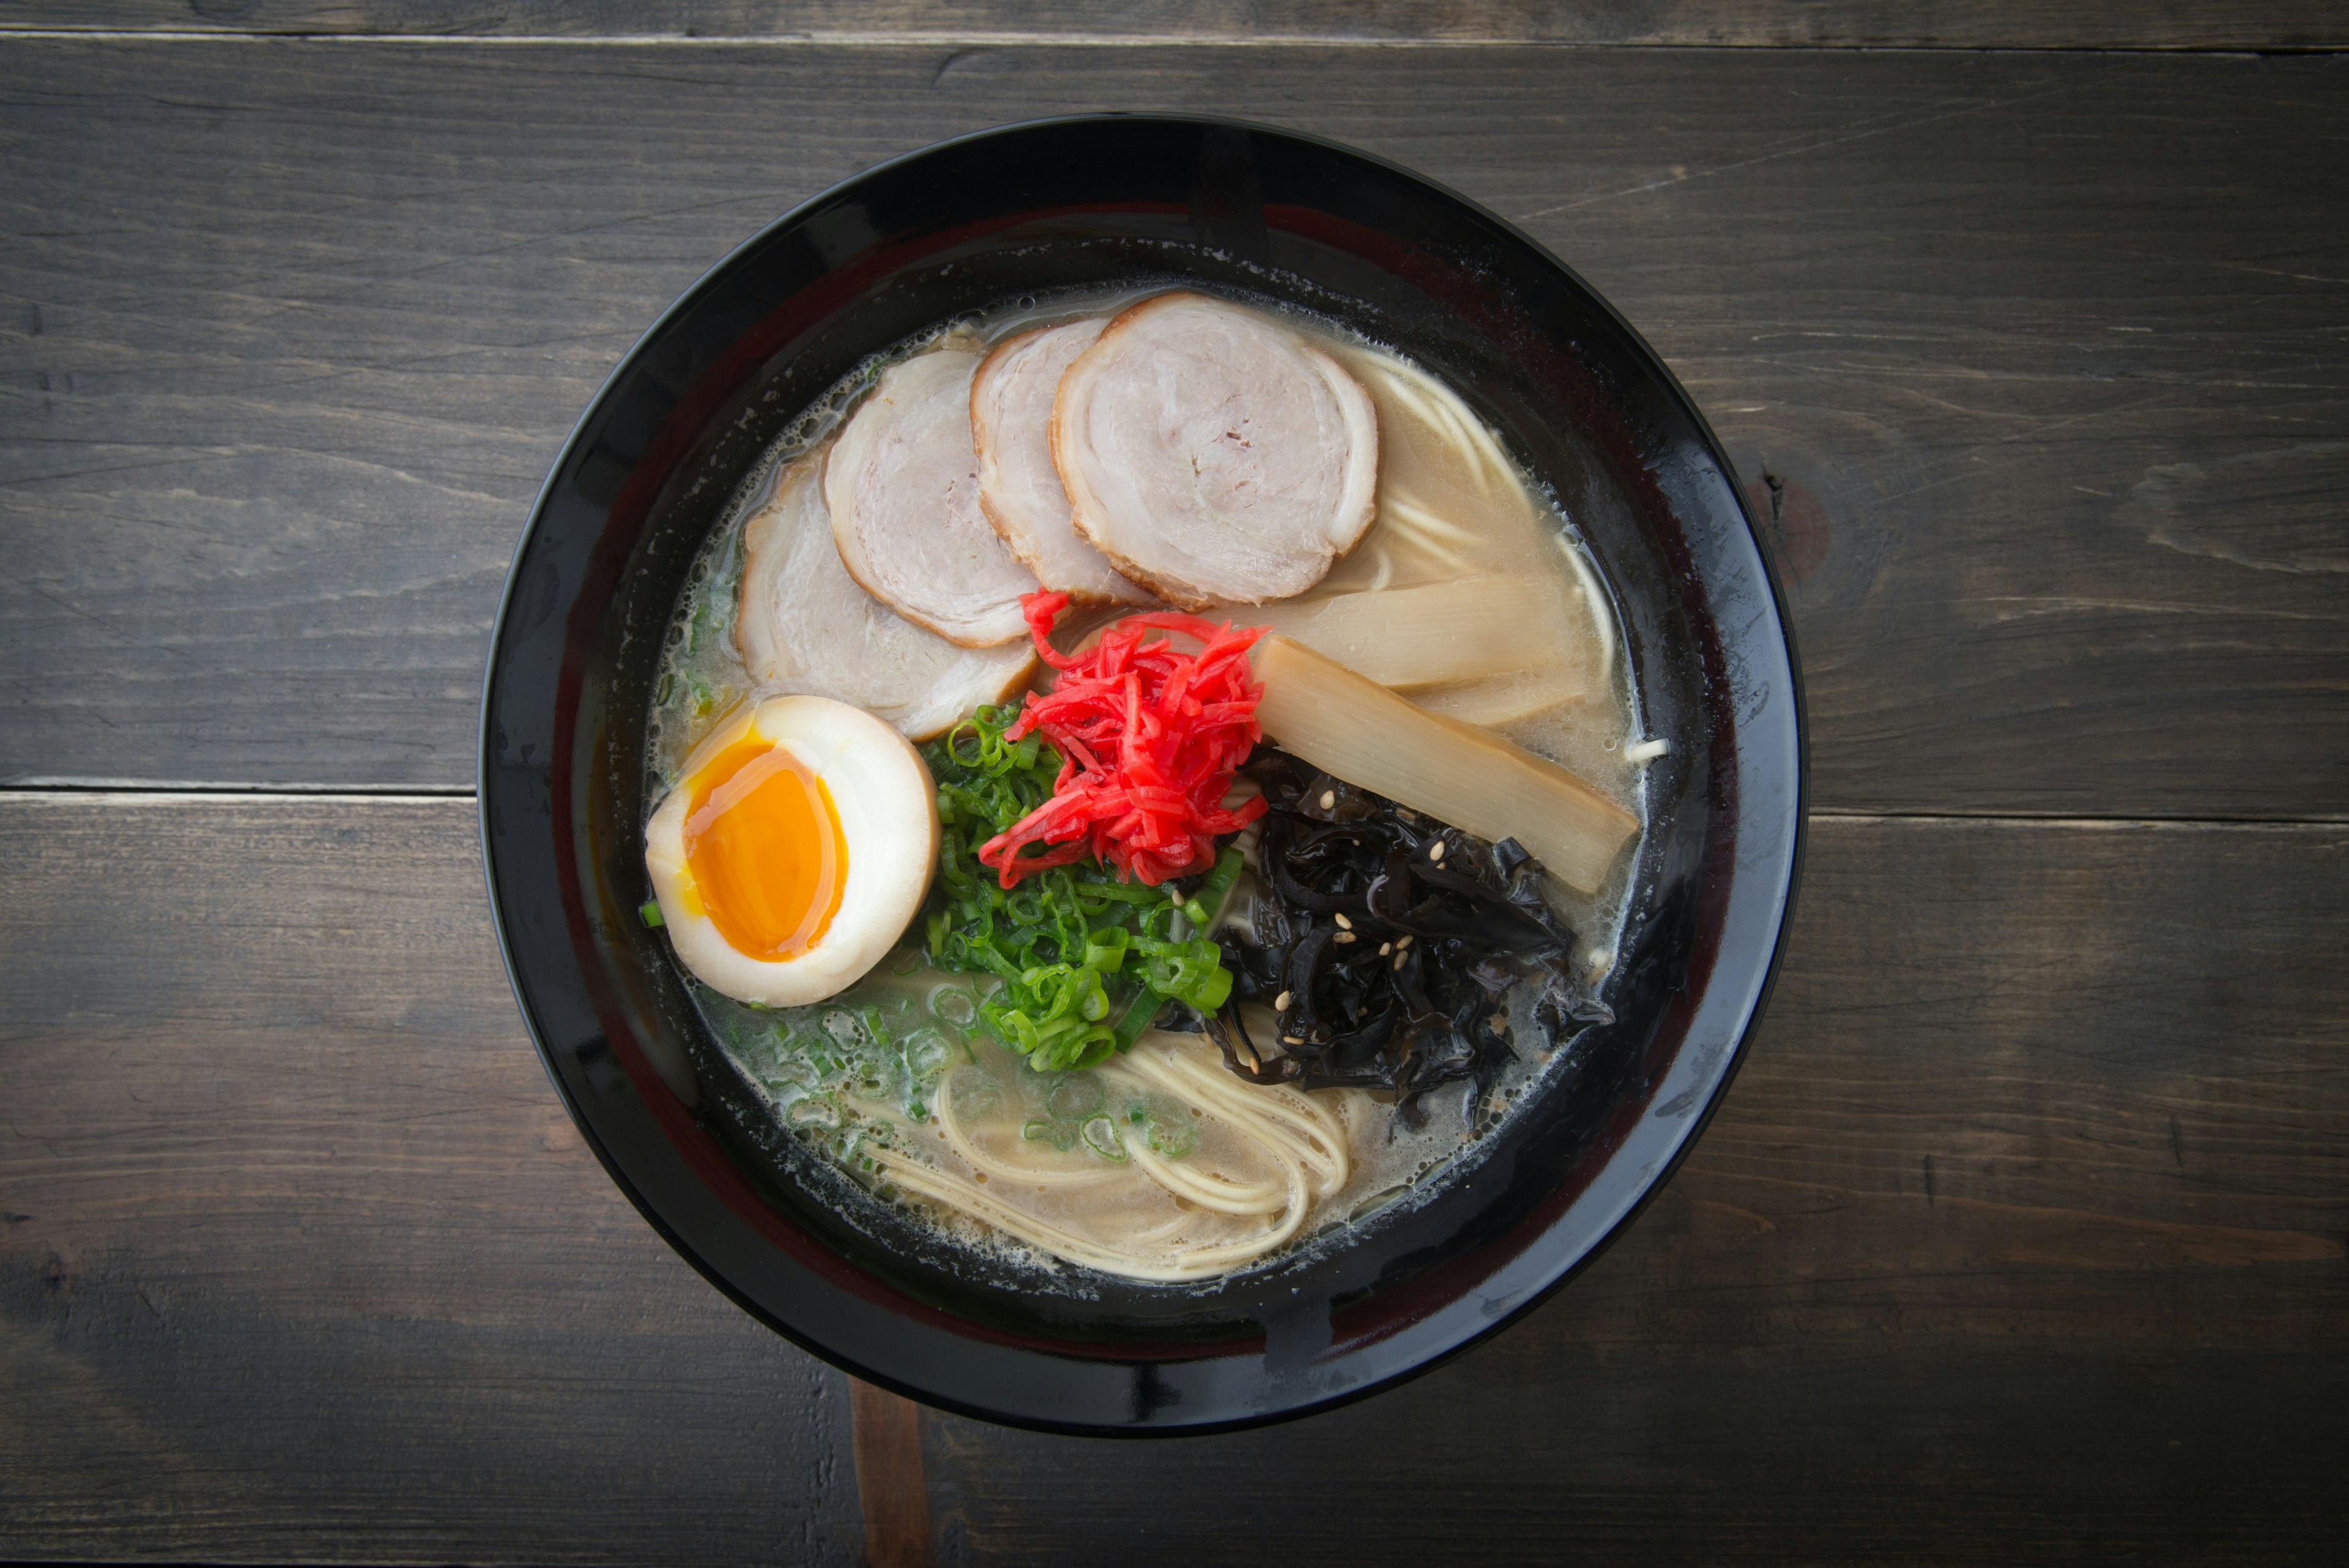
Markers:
point(1149, 739)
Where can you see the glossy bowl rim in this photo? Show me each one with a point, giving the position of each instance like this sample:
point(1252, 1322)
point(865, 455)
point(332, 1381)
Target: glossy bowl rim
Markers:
point(1559, 1275)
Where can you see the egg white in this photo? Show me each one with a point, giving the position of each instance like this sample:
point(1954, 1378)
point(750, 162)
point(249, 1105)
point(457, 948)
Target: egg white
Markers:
point(888, 813)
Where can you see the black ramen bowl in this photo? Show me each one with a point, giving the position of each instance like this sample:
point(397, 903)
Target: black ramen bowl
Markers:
point(1091, 203)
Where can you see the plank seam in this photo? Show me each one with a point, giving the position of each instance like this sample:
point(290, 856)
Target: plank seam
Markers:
point(2050, 820)
point(151, 792)
point(1145, 40)
point(195, 789)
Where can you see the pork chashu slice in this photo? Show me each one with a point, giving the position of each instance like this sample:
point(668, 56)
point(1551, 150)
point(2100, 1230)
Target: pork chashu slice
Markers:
point(803, 626)
point(1019, 488)
point(902, 482)
point(1213, 454)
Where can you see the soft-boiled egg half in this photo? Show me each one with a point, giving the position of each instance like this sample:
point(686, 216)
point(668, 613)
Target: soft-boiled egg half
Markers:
point(794, 851)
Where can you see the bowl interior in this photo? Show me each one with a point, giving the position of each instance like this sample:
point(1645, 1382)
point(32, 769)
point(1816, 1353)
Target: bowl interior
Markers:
point(962, 228)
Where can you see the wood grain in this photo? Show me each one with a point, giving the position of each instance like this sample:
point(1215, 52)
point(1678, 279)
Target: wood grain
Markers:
point(2020, 1238)
point(892, 1477)
point(2024, 1235)
point(300, 1256)
point(1908, 24)
point(2035, 357)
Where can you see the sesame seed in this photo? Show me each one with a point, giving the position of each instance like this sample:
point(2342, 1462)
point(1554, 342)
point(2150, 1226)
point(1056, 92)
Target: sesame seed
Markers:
point(1281, 1002)
point(1398, 963)
point(1435, 850)
point(1345, 937)
point(1329, 799)
point(1385, 947)
point(1402, 942)
point(1344, 924)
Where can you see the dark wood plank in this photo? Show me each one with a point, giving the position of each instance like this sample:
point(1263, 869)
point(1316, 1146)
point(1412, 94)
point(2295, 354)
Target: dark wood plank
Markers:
point(300, 1256)
point(892, 1477)
point(1906, 24)
point(2019, 1238)
point(2040, 353)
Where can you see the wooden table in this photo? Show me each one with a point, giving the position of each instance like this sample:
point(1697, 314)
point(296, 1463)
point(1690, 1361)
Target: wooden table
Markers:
point(2024, 1235)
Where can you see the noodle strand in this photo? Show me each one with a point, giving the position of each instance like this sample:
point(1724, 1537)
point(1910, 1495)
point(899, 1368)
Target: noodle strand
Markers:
point(1306, 1145)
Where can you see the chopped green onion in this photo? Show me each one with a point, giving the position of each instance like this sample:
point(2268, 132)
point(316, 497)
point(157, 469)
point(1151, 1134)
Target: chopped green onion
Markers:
point(1216, 890)
point(1060, 940)
point(1100, 1137)
point(1139, 1014)
point(649, 913)
point(1171, 1139)
point(1060, 1135)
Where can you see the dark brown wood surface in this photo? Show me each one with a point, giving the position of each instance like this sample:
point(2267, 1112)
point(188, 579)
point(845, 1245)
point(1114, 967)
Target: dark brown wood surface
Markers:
point(2042, 354)
point(892, 1477)
point(2022, 1231)
point(301, 1256)
point(1834, 24)
point(2024, 1235)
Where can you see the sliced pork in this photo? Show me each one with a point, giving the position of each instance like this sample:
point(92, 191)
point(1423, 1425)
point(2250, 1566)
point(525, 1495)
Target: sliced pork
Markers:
point(1011, 424)
point(804, 626)
point(1213, 455)
point(902, 483)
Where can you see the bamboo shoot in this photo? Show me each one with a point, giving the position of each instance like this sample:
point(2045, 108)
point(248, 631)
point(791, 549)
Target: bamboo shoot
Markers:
point(1428, 636)
point(1353, 727)
point(1492, 700)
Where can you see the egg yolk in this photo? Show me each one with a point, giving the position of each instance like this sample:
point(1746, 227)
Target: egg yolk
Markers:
point(763, 846)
